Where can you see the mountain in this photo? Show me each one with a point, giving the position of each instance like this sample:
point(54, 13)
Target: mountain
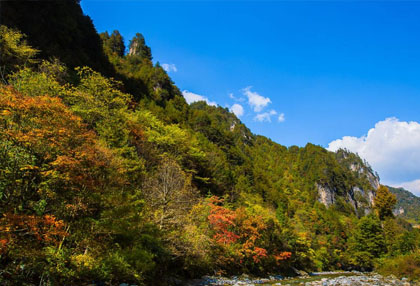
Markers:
point(408, 205)
point(119, 180)
point(58, 29)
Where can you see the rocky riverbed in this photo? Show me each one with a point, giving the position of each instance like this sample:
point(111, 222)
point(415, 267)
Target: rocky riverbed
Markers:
point(315, 279)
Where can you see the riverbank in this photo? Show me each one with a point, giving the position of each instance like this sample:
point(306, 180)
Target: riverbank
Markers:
point(315, 279)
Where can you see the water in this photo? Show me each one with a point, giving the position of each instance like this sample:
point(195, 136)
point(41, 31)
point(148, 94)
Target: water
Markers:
point(316, 279)
point(303, 280)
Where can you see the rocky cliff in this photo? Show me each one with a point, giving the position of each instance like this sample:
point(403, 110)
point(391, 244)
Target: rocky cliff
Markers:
point(361, 189)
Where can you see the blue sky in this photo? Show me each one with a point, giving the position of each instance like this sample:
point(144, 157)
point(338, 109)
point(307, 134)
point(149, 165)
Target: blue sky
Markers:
point(334, 70)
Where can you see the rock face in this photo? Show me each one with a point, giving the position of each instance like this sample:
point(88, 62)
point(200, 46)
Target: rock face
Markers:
point(361, 195)
point(358, 197)
point(134, 49)
point(326, 195)
point(399, 211)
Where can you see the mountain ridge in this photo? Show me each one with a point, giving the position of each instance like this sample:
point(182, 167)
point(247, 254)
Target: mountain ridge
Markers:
point(408, 204)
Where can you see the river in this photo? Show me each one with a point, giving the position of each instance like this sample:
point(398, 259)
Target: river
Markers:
point(315, 279)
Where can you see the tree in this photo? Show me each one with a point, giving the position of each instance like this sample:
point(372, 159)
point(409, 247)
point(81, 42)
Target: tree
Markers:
point(169, 195)
point(367, 242)
point(114, 43)
point(14, 50)
point(384, 202)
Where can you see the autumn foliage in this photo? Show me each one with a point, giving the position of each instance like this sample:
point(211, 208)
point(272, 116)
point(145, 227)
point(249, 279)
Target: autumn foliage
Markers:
point(222, 221)
point(53, 170)
point(63, 154)
point(384, 202)
point(241, 234)
point(46, 229)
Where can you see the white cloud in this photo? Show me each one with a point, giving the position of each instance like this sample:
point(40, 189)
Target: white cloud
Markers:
point(239, 99)
point(191, 97)
point(237, 109)
point(169, 67)
point(266, 116)
point(392, 147)
point(413, 186)
point(282, 117)
point(256, 101)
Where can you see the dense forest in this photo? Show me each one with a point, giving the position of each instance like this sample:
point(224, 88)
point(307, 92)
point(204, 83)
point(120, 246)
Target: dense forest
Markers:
point(108, 175)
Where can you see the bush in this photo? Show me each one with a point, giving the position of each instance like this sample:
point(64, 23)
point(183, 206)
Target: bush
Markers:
point(401, 266)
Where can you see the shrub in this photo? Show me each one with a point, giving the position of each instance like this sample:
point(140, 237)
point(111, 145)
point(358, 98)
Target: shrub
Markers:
point(401, 266)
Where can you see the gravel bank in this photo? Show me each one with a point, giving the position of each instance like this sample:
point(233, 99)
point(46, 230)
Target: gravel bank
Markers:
point(318, 279)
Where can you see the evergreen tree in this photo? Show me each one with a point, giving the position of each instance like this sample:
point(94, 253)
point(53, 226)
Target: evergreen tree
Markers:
point(113, 44)
point(367, 242)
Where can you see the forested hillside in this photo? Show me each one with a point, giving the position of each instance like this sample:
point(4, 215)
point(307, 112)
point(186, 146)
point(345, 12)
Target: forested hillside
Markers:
point(117, 179)
point(408, 205)
point(58, 29)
